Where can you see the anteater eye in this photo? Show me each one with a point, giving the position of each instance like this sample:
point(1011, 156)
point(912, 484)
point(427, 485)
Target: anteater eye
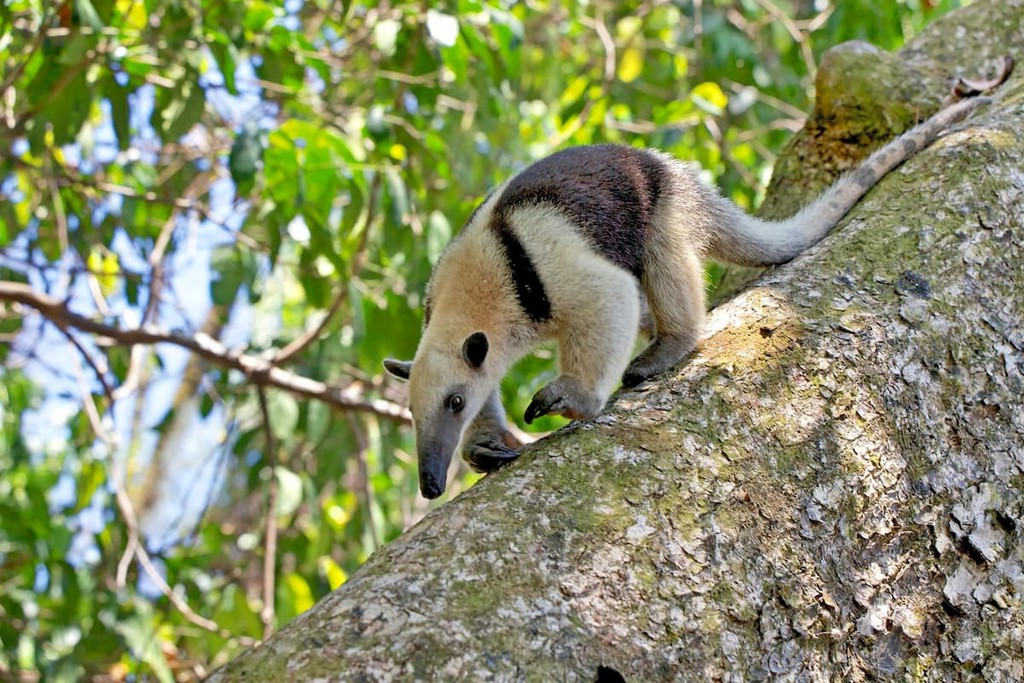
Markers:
point(455, 403)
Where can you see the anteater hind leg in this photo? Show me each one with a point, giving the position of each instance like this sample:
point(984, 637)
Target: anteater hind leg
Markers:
point(595, 339)
point(674, 283)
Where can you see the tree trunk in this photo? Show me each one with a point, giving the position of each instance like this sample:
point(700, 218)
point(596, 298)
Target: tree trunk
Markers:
point(831, 488)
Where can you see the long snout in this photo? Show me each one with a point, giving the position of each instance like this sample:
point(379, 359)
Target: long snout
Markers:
point(437, 439)
point(434, 460)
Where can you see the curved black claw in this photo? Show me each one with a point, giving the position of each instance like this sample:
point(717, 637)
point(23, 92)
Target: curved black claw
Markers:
point(541, 405)
point(489, 455)
point(631, 379)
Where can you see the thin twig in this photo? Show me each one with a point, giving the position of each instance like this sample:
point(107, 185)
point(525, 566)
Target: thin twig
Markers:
point(267, 614)
point(298, 344)
point(363, 475)
point(781, 105)
point(800, 37)
point(196, 188)
point(100, 374)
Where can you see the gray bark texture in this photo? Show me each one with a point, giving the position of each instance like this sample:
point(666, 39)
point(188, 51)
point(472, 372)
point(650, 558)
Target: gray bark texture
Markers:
point(832, 488)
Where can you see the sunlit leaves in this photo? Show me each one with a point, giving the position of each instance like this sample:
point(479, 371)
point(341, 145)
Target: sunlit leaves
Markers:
point(104, 266)
point(294, 596)
point(289, 491)
point(138, 632)
point(709, 97)
point(443, 28)
point(631, 65)
point(332, 571)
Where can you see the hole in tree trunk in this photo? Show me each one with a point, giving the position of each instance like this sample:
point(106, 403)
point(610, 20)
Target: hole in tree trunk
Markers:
point(606, 674)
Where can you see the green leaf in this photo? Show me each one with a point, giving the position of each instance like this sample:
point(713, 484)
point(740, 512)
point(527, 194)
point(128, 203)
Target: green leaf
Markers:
point(284, 414)
point(398, 194)
point(443, 28)
point(87, 15)
point(69, 110)
point(74, 50)
point(141, 637)
point(246, 153)
point(289, 491)
point(233, 268)
point(184, 110)
point(439, 233)
point(118, 97)
point(225, 54)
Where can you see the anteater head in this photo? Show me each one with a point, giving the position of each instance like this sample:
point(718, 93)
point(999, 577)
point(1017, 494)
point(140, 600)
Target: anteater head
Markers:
point(448, 384)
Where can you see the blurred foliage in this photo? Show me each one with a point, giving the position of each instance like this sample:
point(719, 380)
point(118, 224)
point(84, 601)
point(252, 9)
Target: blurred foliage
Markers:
point(243, 168)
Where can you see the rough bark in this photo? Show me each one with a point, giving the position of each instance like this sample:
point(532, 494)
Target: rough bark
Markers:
point(832, 488)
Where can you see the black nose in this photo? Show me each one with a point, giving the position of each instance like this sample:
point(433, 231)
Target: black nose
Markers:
point(431, 486)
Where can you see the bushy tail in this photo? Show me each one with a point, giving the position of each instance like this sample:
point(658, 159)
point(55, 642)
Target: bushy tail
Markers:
point(740, 238)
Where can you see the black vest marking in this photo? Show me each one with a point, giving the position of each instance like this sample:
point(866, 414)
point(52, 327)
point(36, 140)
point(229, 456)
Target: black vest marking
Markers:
point(529, 289)
point(609, 192)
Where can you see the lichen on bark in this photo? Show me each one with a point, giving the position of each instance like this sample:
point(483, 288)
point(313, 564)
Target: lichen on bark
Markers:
point(831, 488)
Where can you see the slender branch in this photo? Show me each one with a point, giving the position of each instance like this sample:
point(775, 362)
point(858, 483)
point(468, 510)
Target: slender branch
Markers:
point(100, 375)
point(364, 486)
point(195, 189)
point(267, 614)
point(298, 344)
point(801, 38)
point(255, 368)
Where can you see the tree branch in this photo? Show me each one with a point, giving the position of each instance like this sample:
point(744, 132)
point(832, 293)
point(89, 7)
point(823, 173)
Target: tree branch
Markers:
point(257, 369)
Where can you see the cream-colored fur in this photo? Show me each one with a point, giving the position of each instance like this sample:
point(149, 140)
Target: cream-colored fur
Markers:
point(587, 328)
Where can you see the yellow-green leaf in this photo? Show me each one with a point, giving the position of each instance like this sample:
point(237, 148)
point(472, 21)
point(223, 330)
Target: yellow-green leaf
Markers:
point(334, 574)
point(104, 266)
point(302, 596)
point(709, 97)
point(631, 65)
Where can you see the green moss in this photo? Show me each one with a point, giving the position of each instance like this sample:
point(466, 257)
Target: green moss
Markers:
point(646, 573)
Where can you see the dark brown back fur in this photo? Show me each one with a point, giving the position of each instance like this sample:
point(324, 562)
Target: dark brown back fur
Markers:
point(609, 192)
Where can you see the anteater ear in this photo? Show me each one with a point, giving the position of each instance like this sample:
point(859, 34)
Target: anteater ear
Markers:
point(398, 368)
point(474, 349)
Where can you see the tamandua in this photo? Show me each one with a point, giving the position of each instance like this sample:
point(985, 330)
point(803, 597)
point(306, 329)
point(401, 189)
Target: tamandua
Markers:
point(562, 251)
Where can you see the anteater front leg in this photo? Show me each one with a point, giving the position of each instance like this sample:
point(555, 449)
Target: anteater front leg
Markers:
point(488, 443)
point(596, 331)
